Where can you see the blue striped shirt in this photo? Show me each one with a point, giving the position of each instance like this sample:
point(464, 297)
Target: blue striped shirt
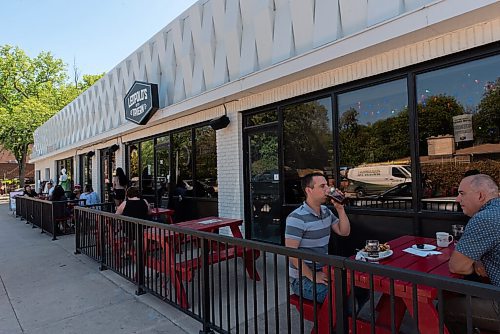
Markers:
point(312, 230)
point(481, 239)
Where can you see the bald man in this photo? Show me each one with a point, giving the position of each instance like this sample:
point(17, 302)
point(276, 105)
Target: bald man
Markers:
point(477, 251)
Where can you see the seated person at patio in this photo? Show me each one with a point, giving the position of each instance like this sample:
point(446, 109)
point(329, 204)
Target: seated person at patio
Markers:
point(49, 189)
point(76, 192)
point(134, 206)
point(58, 194)
point(89, 195)
point(477, 251)
point(29, 192)
point(308, 227)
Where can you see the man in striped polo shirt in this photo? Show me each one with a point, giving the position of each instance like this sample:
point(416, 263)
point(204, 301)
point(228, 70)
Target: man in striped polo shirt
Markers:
point(308, 227)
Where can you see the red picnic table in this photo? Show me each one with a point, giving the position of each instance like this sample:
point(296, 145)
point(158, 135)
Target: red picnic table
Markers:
point(168, 213)
point(183, 270)
point(428, 317)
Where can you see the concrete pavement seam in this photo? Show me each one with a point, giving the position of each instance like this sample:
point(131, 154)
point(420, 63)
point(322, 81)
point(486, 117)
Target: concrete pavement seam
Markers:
point(10, 303)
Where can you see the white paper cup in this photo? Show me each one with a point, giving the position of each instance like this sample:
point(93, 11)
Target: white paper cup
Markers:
point(443, 239)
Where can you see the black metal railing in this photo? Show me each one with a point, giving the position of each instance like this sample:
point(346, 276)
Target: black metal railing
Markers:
point(53, 217)
point(234, 285)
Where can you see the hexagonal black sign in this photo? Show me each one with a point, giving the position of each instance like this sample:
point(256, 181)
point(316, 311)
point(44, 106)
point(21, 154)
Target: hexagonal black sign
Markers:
point(141, 102)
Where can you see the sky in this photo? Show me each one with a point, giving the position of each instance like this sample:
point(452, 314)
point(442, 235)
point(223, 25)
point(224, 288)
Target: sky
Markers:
point(96, 34)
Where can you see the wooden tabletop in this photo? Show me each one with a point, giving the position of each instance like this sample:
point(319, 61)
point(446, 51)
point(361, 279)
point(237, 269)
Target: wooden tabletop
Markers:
point(431, 264)
point(209, 224)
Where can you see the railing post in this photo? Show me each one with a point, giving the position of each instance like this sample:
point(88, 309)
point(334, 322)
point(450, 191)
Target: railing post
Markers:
point(139, 270)
point(77, 230)
point(102, 228)
point(42, 205)
point(21, 206)
point(205, 288)
point(53, 222)
point(340, 277)
point(32, 215)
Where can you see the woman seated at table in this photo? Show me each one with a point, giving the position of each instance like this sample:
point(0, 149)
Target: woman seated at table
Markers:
point(89, 195)
point(58, 194)
point(29, 192)
point(134, 206)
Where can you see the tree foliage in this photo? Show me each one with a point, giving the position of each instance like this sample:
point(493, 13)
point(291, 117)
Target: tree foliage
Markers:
point(31, 91)
point(311, 148)
point(487, 120)
point(435, 117)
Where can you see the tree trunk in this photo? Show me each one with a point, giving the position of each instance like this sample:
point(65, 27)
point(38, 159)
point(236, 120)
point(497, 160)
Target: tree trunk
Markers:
point(22, 166)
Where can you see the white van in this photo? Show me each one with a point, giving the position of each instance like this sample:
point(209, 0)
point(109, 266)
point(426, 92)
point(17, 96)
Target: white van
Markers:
point(370, 180)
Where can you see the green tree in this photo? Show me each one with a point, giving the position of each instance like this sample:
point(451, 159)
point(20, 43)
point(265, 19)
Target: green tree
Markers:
point(31, 91)
point(307, 136)
point(487, 120)
point(352, 138)
point(435, 118)
point(390, 138)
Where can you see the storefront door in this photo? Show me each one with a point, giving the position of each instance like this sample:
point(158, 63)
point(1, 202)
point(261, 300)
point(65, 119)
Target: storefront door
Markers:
point(107, 169)
point(264, 207)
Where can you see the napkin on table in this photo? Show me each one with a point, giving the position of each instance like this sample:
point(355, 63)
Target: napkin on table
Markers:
point(360, 257)
point(420, 253)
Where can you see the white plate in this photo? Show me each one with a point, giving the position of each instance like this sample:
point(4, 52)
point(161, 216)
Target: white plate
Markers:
point(427, 247)
point(381, 255)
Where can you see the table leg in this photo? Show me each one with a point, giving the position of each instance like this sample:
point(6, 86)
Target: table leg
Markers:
point(384, 311)
point(325, 318)
point(167, 266)
point(428, 317)
point(250, 255)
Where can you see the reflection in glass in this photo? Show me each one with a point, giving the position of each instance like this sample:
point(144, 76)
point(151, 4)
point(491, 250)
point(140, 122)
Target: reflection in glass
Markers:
point(162, 171)
point(459, 126)
point(206, 163)
point(147, 170)
point(307, 144)
point(108, 166)
point(182, 160)
point(264, 186)
point(262, 118)
point(86, 173)
point(375, 144)
point(133, 171)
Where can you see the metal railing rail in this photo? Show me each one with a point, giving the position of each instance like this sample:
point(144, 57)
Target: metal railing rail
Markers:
point(243, 286)
point(44, 214)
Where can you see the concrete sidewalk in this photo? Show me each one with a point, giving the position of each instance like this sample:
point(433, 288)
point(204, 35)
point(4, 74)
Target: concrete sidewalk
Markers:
point(45, 288)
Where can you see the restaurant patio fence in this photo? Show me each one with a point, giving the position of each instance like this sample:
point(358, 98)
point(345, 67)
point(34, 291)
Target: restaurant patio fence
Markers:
point(53, 217)
point(233, 285)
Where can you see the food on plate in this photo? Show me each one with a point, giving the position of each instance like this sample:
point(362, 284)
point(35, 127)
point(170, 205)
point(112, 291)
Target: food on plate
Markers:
point(381, 248)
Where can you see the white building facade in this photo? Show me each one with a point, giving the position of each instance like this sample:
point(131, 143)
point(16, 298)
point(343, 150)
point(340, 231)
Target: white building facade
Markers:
point(251, 57)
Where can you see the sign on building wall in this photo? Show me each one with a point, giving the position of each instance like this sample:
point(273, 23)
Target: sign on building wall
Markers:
point(462, 128)
point(141, 102)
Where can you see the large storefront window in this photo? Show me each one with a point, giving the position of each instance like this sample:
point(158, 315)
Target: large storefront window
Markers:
point(162, 171)
point(108, 167)
point(178, 171)
point(86, 169)
point(307, 144)
point(459, 128)
point(206, 165)
point(375, 146)
point(147, 170)
point(182, 160)
point(133, 165)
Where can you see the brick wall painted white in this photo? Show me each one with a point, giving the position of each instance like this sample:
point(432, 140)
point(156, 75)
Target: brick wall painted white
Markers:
point(230, 168)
